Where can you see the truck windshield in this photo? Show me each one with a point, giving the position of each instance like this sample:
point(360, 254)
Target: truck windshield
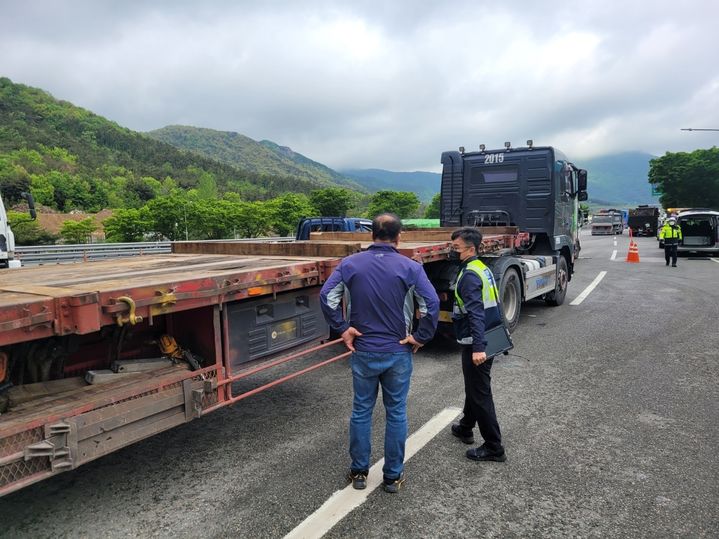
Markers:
point(602, 219)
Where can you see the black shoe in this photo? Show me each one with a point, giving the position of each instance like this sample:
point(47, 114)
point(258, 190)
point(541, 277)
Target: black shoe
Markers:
point(358, 480)
point(393, 486)
point(461, 432)
point(482, 453)
point(674, 265)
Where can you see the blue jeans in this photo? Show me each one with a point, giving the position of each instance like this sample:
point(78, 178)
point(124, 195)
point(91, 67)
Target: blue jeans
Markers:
point(392, 371)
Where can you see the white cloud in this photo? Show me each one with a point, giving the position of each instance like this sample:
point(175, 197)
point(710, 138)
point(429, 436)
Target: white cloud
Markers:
point(371, 84)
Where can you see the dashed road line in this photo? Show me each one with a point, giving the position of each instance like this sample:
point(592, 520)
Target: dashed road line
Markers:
point(614, 255)
point(581, 297)
point(344, 501)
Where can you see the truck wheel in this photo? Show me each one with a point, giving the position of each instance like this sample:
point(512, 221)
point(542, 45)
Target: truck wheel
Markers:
point(560, 290)
point(510, 297)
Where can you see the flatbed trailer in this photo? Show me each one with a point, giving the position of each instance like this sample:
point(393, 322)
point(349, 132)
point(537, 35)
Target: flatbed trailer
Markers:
point(238, 308)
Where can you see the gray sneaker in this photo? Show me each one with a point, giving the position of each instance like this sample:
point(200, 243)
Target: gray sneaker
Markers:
point(358, 480)
point(393, 486)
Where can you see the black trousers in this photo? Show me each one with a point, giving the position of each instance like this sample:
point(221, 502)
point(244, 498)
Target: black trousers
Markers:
point(478, 401)
point(670, 251)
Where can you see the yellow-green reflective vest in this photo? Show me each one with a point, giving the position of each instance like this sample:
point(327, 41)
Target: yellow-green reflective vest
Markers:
point(670, 234)
point(490, 299)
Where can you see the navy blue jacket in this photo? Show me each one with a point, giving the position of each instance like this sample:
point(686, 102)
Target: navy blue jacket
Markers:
point(379, 287)
point(470, 290)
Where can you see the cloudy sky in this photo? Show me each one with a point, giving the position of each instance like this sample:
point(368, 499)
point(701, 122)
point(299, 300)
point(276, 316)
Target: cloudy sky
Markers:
point(360, 84)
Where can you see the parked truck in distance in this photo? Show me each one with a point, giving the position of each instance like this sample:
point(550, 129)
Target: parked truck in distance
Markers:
point(307, 225)
point(644, 220)
point(607, 222)
point(533, 192)
point(7, 238)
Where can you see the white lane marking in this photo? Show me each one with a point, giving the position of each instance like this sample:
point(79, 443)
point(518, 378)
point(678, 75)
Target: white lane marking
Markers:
point(614, 255)
point(581, 297)
point(615, 241)
point(714, 260)
point(342, 502)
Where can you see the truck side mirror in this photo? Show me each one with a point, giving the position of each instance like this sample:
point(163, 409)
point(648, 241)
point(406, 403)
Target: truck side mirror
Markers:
point(30, 204)
point(582, 196)
point(582, 180)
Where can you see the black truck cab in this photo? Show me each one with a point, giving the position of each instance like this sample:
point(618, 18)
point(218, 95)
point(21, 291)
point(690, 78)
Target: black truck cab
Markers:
point(536, 189)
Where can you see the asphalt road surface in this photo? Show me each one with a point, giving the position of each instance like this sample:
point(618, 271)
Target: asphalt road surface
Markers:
point(609, 412)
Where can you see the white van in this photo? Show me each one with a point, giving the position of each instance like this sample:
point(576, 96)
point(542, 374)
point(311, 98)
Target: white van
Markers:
point(700, 231)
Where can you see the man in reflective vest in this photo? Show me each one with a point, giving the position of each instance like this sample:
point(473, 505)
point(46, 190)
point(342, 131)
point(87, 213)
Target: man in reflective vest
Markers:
point(476, 309)
point(671, 235)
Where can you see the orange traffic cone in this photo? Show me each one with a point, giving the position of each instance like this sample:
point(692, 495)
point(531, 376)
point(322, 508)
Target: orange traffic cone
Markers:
point(633, 254)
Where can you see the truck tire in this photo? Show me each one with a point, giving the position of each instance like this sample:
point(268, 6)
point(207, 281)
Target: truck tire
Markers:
point(510, 297)
point(556, 298)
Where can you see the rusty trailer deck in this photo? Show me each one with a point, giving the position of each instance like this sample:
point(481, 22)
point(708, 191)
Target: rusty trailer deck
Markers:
point(82, 298)
point(215, 298)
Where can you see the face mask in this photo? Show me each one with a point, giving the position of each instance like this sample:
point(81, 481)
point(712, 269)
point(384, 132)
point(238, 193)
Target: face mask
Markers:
point(454, 256)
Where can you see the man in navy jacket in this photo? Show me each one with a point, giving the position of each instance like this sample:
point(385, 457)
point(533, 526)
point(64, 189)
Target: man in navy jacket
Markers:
point(476, 310)
point(379, 288)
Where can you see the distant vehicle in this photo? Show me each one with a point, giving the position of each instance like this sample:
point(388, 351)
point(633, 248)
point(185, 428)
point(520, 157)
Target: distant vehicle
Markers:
point(607, 222)
point(700, 231)
point(7, 238)
point(644, 220)
point(307, 225)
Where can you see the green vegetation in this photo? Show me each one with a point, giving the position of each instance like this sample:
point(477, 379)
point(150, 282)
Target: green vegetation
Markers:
point(432, 211)
point(29, 232)
point(687, 179)
point(333, 201)
point(237, 150)
point(71, 159)
point(74, 159)
point(402, 203)
point(78, 231)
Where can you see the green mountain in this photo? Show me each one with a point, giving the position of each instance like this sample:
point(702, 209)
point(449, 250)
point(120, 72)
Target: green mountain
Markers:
point(424, 184)
point(619, 179)
point(264, 157)
point(41, 135)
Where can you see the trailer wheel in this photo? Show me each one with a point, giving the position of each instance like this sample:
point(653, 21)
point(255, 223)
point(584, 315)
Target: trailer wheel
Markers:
point(560, 290)
point(510, 298)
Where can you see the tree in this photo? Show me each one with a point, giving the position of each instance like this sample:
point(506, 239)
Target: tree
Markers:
point(29, 232)
point(402, 203)
point(253, 219)
point(207, 186)
point(687, 179)
point(171, 216)
point(128, 225)
point(331, 201)
point(78, 231)
point(287, 210)
point(14, 180)
point(432, 211)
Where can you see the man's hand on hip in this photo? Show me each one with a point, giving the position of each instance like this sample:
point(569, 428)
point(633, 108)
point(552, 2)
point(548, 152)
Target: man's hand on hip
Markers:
point(349, 338)
point(478, 358)
point(410, 340)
